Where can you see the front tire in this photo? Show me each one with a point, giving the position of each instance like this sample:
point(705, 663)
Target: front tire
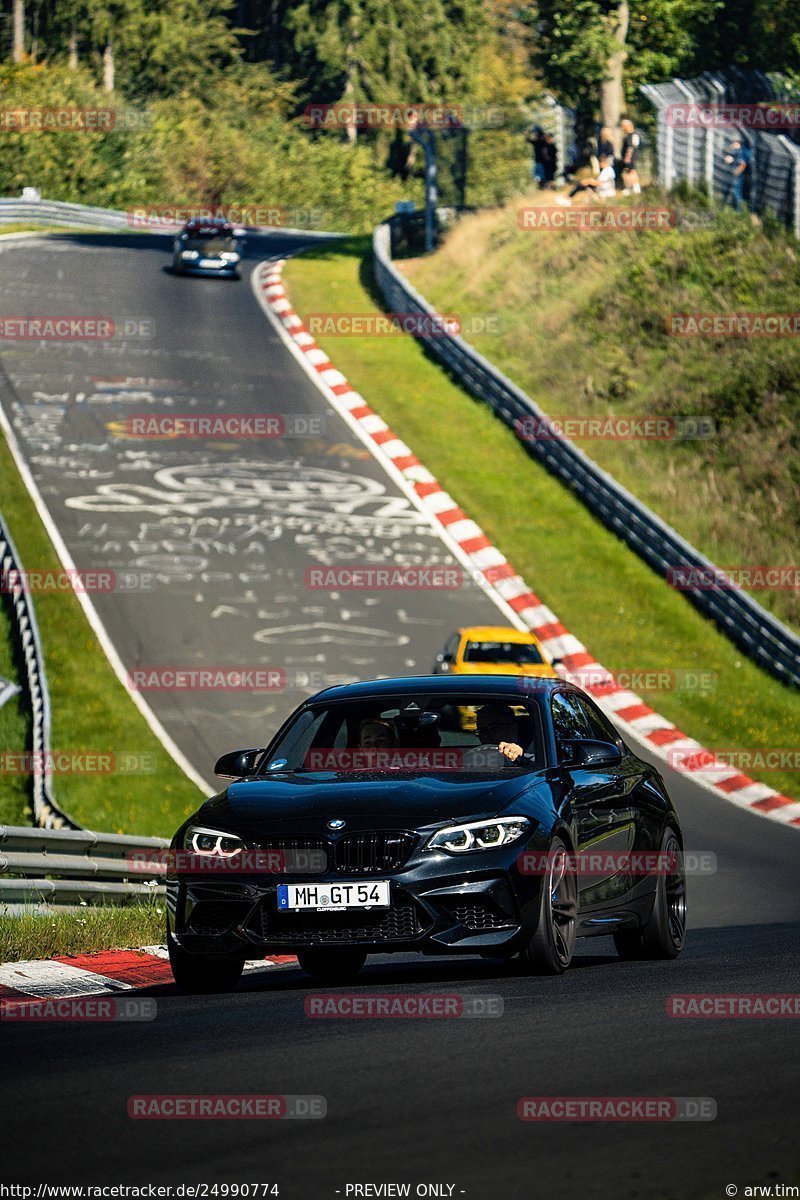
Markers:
point(331, 966)
point(202, 974)
point(665, 932)
point(550, 950)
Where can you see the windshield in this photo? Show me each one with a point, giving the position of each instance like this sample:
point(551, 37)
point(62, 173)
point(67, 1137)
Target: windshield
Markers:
point(521, 653)
point(209, 240)
point(412, 735)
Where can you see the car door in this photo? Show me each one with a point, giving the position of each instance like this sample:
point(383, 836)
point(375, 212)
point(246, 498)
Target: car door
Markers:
point(599, 796)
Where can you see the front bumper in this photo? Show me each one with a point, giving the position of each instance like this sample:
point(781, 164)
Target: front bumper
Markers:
point(191, 267)
point(437, 906)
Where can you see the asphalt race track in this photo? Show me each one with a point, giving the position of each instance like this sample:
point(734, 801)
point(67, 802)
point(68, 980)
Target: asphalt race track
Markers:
point(213, 536)
point(408, 1101)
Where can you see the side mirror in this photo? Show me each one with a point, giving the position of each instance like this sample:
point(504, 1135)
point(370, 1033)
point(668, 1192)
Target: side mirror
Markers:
point(589, 753)
point(239, 764)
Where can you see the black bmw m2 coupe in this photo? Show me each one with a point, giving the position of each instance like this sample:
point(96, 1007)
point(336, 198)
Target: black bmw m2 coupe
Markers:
point(496, 816)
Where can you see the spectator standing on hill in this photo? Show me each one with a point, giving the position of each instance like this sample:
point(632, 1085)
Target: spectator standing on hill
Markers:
point(549, 159)
point(738, 156)
point(630, 158)
point(536, 140)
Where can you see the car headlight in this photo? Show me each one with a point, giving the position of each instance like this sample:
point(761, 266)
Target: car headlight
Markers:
point(212, 842)
point(479, 835)
point(229, 256)
point(190, 253)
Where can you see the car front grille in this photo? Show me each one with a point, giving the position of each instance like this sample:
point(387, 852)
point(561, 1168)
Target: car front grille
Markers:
point(371, 853)
point(400, 923)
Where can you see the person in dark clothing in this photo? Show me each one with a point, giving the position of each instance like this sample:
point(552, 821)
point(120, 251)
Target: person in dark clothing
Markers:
point(536, 140)
point(549, 159)
point(738, 157)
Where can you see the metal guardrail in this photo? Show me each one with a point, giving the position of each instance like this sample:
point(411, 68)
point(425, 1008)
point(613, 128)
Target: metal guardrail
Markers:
point(758, 634)
point(46, 811)
point(74, 866)
point(696, 154)
point(57, 212)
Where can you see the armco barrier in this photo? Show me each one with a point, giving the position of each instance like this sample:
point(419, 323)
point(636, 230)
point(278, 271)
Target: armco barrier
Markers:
point(57, 212)
point(758, 634)
point(70, 866)
point(45, 810)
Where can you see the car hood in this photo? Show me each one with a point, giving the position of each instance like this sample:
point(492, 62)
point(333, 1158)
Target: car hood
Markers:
point(302, 806)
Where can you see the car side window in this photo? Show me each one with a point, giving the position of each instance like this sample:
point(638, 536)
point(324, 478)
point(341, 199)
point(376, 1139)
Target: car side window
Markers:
point(599, 727)
point(451, 647)
point(568, 720)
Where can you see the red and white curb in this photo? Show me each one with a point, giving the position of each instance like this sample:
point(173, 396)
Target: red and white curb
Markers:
point(493, 572)
point(109, 972)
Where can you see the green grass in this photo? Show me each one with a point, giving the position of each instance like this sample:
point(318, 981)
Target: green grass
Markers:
point(29, 228)
point(14, 729)
point(583, 329)
point(628, 617)
point(91, 711)
point(34, 935)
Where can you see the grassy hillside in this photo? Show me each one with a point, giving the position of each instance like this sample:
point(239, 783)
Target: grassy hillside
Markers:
point(583, 329)
point(629, 618)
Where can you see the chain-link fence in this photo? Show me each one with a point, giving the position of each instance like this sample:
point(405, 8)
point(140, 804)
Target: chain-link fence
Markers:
point(697, 122)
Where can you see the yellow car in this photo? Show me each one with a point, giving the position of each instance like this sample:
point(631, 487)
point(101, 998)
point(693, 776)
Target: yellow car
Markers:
point(493, 650)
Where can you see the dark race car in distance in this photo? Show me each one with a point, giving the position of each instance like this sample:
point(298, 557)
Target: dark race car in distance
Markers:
point(374, 822)
point(207, 246)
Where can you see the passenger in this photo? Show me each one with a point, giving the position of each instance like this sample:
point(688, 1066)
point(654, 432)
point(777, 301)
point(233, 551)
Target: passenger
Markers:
point(375, 733)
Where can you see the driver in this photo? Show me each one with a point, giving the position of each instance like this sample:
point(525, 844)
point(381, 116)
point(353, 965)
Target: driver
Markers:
point(497, 726)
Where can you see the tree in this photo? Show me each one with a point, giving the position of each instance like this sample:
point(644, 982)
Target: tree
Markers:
point(367, 51)
point(597, 52)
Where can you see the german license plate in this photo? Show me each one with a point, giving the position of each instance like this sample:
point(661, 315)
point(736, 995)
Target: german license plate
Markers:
point(333, 896)
point(211, 262)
